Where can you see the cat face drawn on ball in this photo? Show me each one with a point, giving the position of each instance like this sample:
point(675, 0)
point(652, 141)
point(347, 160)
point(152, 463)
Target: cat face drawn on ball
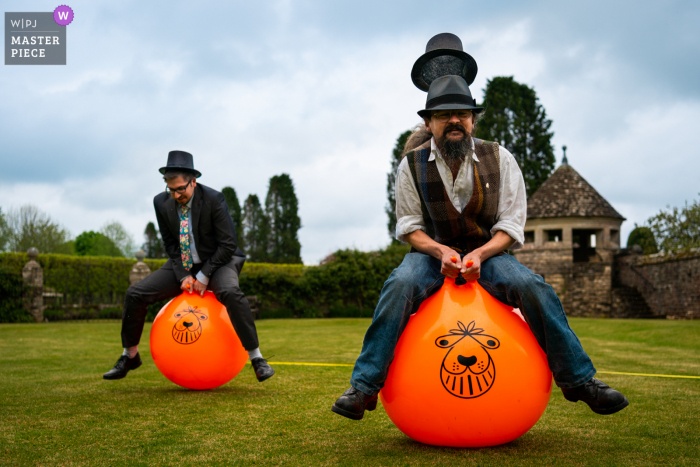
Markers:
point(467, 371)
point(188, 328)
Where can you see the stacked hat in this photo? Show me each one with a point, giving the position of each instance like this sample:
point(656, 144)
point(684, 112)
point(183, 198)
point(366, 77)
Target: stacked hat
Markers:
point(445, 70)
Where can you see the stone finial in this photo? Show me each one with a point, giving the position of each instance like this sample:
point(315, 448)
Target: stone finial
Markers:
point(140, 270)
point(564, 161)
point(33, 254)
point(140, 255)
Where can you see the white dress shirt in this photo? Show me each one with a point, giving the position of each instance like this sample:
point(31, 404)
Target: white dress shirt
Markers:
point(193, 248)
point(512, 202)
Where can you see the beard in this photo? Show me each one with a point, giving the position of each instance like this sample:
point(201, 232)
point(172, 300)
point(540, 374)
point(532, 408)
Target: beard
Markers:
point(455, 151)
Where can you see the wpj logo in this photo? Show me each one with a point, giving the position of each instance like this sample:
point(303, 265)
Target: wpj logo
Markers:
point(37, 38)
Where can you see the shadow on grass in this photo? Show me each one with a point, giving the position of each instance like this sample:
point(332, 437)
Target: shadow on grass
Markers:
point(407, 443)
point(530, 449)
point(177, 391)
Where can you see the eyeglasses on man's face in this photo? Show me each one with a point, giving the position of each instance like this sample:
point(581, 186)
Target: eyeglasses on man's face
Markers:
point(447, 114)
point(179, 190)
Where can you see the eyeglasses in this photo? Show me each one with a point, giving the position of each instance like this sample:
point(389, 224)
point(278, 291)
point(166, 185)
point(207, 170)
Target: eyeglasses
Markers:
point(179, 190)
point(445, 116)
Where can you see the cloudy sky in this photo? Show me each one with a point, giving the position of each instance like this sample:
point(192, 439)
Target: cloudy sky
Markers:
point(321, 90)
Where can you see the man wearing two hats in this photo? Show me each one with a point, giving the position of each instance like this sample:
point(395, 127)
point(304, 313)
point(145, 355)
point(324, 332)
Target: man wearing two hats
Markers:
point(461, 198)
point(200, 239)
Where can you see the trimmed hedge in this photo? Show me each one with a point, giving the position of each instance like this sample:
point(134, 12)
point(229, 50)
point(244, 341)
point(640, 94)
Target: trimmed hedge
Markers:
point(83, 280)
point(346, 285)
point(11, 295)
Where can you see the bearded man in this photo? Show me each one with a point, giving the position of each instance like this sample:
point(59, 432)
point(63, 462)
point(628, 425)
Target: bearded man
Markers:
point(461, 197)
point(200, 239)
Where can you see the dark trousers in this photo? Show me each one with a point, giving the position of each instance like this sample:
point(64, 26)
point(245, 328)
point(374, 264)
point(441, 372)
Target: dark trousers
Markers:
point(163, 285)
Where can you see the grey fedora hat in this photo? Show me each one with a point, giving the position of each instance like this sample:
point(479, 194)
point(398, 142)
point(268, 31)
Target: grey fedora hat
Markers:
point(443, 55)
point(449, 93)
point(180, 160)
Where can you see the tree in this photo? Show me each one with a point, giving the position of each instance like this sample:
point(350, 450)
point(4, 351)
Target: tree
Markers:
point(92, 243)
point(677, 229)
point(29, 227)
point(644, 237)
point(255, 230)
point(281, 211)
point(119, 237)
point(234, 208)
point(514, 118)
point(390, 209)
point(4, 231)
point(153, 247)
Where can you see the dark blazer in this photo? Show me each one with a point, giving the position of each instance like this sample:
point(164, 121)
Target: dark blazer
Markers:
point(212, 228)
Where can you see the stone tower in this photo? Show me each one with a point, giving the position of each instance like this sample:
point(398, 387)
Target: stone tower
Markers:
point(571, 236)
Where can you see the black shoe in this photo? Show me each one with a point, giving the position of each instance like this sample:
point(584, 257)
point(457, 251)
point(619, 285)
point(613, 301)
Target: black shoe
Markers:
point(122, 367)
point(262, 369)
point(353, 403)
point(600, 397)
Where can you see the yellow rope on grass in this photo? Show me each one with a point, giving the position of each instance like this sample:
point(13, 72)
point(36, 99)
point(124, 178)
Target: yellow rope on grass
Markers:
point(603, 372)
point(649, 374)
point(310, 364)
point(307, 363)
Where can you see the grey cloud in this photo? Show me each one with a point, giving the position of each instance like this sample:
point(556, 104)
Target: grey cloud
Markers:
point(255, 90)
point(656, 44)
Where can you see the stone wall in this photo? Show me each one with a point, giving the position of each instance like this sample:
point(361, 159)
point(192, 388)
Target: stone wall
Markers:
point(589, 290)
point(627, 302)
point(670, 284)
point(621, 285)
point(585, 289)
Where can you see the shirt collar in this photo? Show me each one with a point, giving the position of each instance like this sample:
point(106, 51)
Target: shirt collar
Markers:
point(189, 203)
point(434, 150)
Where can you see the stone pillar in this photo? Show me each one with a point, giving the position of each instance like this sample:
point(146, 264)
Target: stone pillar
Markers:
point(140, 270)
point(539, 237)
point(33, 276)
point(567, 235)
point(605, 239)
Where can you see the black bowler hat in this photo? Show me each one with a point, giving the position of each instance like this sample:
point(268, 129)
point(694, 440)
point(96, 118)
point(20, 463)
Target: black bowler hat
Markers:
point(443, 56)
point(180, 160)
point(449, 93)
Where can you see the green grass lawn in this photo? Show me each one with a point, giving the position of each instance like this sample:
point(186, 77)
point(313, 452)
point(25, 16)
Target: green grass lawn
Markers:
point(55, 408)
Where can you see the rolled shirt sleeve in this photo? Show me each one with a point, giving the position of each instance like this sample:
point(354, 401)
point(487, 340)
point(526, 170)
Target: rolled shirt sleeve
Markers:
point(409, 216)
point(512, 200)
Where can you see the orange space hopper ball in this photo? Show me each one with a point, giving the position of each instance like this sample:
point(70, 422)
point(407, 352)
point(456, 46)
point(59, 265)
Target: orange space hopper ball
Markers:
point(193, 342)
point(467, 372)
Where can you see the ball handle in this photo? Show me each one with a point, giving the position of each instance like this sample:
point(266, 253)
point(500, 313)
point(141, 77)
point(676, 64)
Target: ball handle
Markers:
point(460, 280)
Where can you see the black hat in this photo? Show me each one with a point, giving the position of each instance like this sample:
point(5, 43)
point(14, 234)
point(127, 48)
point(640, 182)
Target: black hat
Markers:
point(449, 93)
point(443, 56)
point(180, 160)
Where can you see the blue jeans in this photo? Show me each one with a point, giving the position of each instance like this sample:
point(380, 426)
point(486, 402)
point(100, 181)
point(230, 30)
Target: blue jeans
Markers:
point(505, 279)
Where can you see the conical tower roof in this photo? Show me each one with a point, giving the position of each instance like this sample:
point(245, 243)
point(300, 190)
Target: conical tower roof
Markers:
point(568, 194)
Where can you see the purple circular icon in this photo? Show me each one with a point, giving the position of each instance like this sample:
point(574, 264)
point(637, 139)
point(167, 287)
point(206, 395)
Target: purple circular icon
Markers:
point(63, 15)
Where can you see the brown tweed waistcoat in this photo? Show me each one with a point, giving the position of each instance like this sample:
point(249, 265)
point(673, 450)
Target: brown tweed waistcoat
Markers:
point(470, 228)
